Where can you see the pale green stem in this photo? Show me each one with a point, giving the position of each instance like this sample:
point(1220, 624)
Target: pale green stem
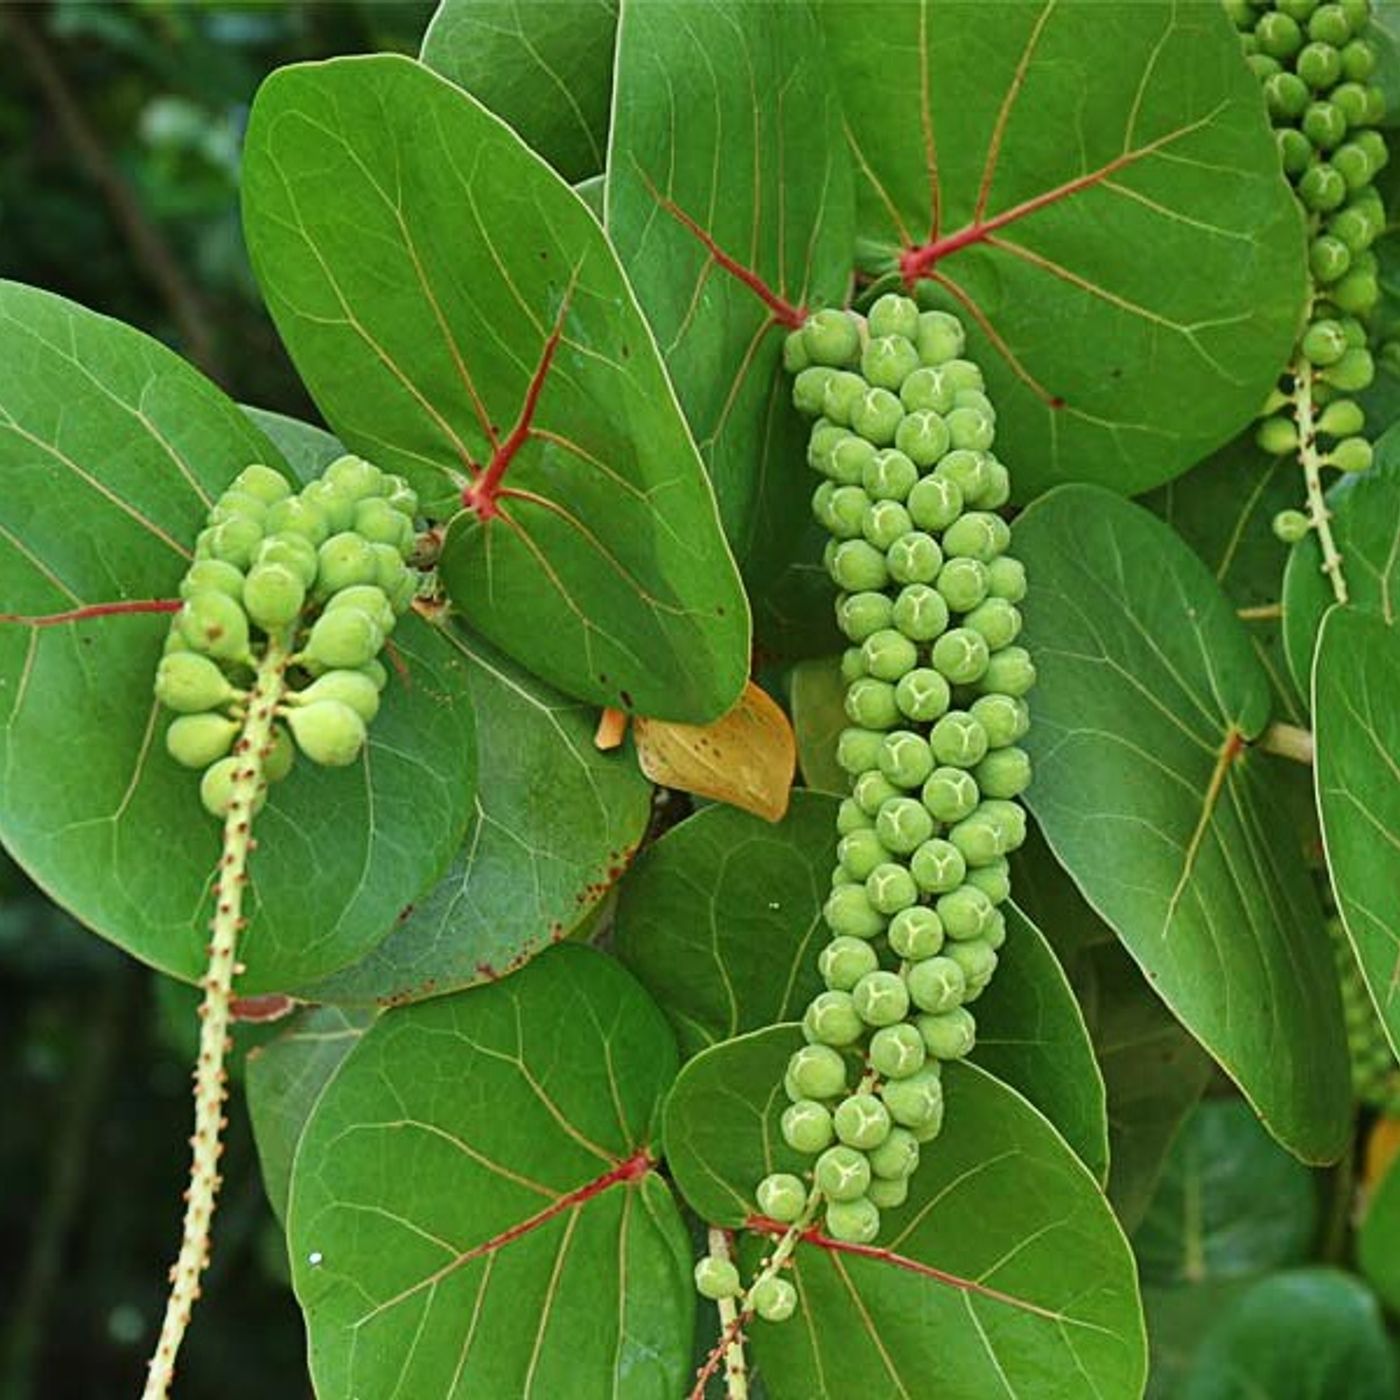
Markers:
point(1318, 514)
point(210, 1078)
point(1287, 741)
point(736, 1371)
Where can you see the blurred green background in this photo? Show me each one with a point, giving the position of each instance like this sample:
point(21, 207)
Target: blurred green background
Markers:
point(120, 130)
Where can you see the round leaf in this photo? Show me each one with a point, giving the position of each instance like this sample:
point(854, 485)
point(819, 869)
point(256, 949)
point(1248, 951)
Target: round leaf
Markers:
point(474, 1203)
point(1020, 159)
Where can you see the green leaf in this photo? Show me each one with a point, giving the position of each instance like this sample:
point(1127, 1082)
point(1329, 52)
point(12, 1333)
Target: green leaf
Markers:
point(817, 697)
point(556, 824)
point(1224, 509)
point(1357, 771)
point(722, 921)
point(284, 1080)
point(1366, 528)
point(1104, 167)
point(1378, 1239)
point(546, 68)
point(721, 918)
point(1308, 1334)
point(1004, 1272)
point(306, 449)
point(727, 163)
point(474, 314)
point(474, 1203)
point(1148, 795)
point(1178, 1319)
point(111, 452)
point(1230, 1202)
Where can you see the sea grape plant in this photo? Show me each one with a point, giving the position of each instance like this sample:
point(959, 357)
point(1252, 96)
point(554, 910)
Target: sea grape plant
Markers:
point(566, 1056)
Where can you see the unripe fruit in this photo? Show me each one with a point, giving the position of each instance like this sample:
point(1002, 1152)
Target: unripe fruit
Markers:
point(781, 1196)
point(957, 740)
point(1319, 66)
point(1342, 418)
point(1321, 188)
point(853, 1222)
point(344, 561)
point(1277, 436)
point(950, 1035)
point(997, 620)
point(1008, 817)
point(236, 541)
point(262, 483)
point(197, 740)
point(923, 437)
point(1328, 24)
point(939, 337)
point(328, 732)
point(896, 1052)
point(1358, 61)
point(1329, 258)
point(191, 684)
point(273, 596)
point(294, 552)
point(916, 932)
point(898, 1156)
point(871, 704)
point(1357, 292)
point(352, 688)
point(1354, 165)
point(971, 429)
point(935, 984)
point(1003, 719)
point(216, 787)
point(354, 478)
point(212, 576)
point(843, 391)
point(965, 912)
point(914, 558)
point(830, 337)
point(950, 795)
point(235, 505)
point(773, 1299)
point(1354, 371)
point(893, 314)
point(934, 502)
point(890, 888)
point(858, 750)
point(888, 655)
point(920, 612)
point(368, 599)
point(862, 614)
point(861, 1121)
point(977, 959)
point(806, 1126)
point(938, 867)
point(887, 1192)
point(841, 1173)
point(849, 817)
point(343, 639)
point(279, 756)
point(844, 961)
point(887, 361)
point(903, 824)
point(979, 840)
point(1004, 772)
point(334, 504)
point(1324, 343)
point(1006, 578)
point(852, 665)
point(809, 389)
point(379, 523)
point(922, 694)
point(915, 1102)
point(297, 516)
point(977, 535)
point(880, 999)
point(873, 790)
point(906, 759)
point(876, 416)
point(214, 624)
point(717, 1278)
point(857, 566)
point(961, 655)
point(888, 475)
point(963, 583)
point(994, 880)
point(1278, 35)
point(1010, 672)
point(1350, 455)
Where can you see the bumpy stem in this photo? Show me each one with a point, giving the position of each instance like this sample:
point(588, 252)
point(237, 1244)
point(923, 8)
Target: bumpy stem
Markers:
point(736, 1371)
point(210, 1078)
point(1311, 462)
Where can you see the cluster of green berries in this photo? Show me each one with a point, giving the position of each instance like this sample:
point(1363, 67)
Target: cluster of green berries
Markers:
point(323, 574)
point(1375, 1075)
point(935, 696)
point(1316, 66)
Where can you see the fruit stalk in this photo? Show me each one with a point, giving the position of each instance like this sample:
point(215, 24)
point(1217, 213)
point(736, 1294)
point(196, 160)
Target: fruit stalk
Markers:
point(1319, 516)
point(210, 1077)
point(736, 1373)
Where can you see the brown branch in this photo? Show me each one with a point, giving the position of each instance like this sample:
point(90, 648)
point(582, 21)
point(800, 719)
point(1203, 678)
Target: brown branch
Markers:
point(148, 245)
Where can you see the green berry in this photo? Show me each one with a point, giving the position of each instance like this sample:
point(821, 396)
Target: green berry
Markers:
point(860, 615)
point(935, 984)
point(1352, 454)
point(923, 437)
point(890, 888)
point(831, 1019)
point(354, 478)
point(888, 1192)
point(963, 583)
point(993, 879)
point(368, 599)
point(191, 684)
point(1278, 35)
point(960, 655)
point(1277, 436)
point(977, 535)
point(885, 523)
point(880, 999)
point(1318, 67)
point(343, 639)
point(857, 566)
point(1342, 418)
point(861, 1121)
point(965, 912)
point(717, 1278)
point(842, 1173)
point(234, 505)
point(920, 612)
point(870, 703)
point(872, 791)
point(888, 475)
point(858, 750)
point(297, 516)
point(914, 558)
point(903, 824)
point(1004, 719)
point(971, 429)
point(849, 912)
point(893, 314)
point(1290, 526)
point(214, 624)
point(1353, 372)
point(896, 1052)
point(977, 959)
point(212, 576)
point(938, 867)
point(1321, 188)
point(915, 1102)
point(998, 621)
point(262, 483)
point(1008, 817)
point(781, 1196)
point(197, 740)
point(344, 561)
point(273, 596)
point(795, 357)
point(831, 337)
point(809, 389)
point(934, 503)
point(979, 840)
point(1006, 578)
point(957, 740)
point(860, 852)
point(928, 389)
point(922, 694)
point(852, 665)
point(850, 459)
point(897, 1156)
point(217, 784)
point(806, 1125)
point(949, 1035)
point(850, 817)
point(1010, 671)
point(279, 756)
point(876, 416)
point(1329, 258)
point(916, 932)
point(817, 1071)
point(844, 961)
point(774, 1299)
point(328, 732)
point(906, 759)
point(1324, 343)
point(888, 360)
point(1357, 292)
point(888, 654)
point(1358, 61)
point(1328, 24)
point(1354, 164)
point(939, 337)
point(1004, 772)
point(352, 688)
point(950, 794)
point(1295, 151)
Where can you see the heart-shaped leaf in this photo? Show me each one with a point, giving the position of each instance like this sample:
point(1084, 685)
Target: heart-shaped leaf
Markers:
point(1308, 1334)
point(1004, 1272)
point(1017, 161)
point(722, 921)
point(556, 824)
point(471, 321)
point(1230, 1202)
point(1148, 795)
point(1357, 724)
point(1366, 529)
point(474, 1203)
point(731, 205)
point(111, 452)
point(544, 67)
point(285, 1078)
